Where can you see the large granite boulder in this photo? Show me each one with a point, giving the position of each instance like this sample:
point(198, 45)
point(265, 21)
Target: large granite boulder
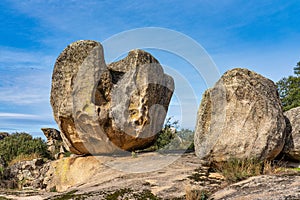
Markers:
point(291, 149)
point(104, 109)
point(240, 117)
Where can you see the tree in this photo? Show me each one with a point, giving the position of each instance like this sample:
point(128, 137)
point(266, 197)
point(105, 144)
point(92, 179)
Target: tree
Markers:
point(289, 90)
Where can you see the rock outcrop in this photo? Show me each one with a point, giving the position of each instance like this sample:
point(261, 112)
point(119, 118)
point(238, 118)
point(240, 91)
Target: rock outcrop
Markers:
point(70, 171)
point(240, 117)
point(104, 109)
point(292, 145)
point(54, 142)
point(25, 175)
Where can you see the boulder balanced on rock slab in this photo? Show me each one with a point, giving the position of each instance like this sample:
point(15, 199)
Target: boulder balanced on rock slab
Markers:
point(104, 109)
point(240, 117)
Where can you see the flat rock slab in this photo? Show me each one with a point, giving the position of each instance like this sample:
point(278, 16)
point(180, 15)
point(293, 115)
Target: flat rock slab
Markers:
point(96, 177)
point(262, 188)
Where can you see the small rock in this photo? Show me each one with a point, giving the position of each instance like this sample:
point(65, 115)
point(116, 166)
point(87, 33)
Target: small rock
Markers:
point(216, 176)
point(54, 141)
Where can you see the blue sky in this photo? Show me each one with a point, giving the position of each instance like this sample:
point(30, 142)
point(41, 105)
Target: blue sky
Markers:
point(260, 35)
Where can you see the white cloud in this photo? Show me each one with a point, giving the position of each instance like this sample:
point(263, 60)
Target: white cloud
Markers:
point(18, 115)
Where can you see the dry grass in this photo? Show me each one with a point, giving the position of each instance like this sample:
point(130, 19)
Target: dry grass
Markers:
point(195, 194)
point(235, 170)
point(23, 157)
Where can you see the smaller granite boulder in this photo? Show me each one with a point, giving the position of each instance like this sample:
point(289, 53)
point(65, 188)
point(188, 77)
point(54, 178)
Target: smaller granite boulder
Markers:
point(240, 117)
point(54, 142)
point(292, 146)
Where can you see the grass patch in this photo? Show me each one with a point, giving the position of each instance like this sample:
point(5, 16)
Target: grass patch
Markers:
point(68, 195)
point(197, 194)
point(3, 198)
point(145, 194)
point(119, 193)
point(297, 169)
point(235, 170)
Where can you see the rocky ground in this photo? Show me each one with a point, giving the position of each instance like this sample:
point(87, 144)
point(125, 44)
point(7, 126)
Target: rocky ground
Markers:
point(154, 176)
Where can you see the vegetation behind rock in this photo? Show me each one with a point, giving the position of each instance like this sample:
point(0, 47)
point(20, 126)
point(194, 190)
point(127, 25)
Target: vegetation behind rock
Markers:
point(289, 90)
point(22, 145)
point(169, 138)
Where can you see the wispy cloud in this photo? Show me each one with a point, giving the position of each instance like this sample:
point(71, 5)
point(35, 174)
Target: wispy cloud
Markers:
point(18, 115)
point(18, 58)
point(25, 76)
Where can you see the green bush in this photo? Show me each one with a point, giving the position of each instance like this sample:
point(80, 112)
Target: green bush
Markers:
point(289, 90)
point(18, 144)
point(169, 138)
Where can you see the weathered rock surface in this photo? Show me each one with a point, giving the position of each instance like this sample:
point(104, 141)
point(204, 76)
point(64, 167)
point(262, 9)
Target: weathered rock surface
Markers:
point(25, 174)
point(267, 187)
point(292, 146)
point(241, 117)
point(54, 142)
point(187, 177)
point(102, 109)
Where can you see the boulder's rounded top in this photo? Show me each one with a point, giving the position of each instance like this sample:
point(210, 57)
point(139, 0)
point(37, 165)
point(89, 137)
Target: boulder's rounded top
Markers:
point(83, 42)
point(243, 71)
point(135, 58)
point(139, 53)
point(293, 111)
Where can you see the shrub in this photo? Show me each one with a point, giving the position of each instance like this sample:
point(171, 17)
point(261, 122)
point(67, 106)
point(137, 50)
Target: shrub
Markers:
point(289, 90)
point(236, 170)
point(22, 145)
point(165, 136)
point(169, 138)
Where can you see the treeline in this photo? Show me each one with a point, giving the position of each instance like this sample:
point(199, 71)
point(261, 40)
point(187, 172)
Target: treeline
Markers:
point(289, 89)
